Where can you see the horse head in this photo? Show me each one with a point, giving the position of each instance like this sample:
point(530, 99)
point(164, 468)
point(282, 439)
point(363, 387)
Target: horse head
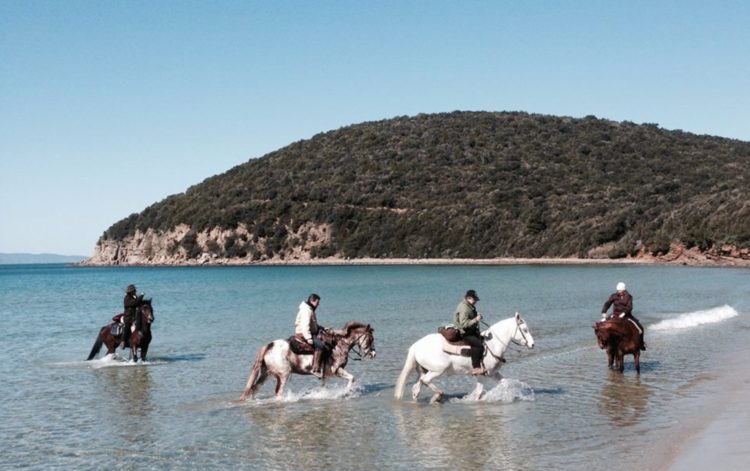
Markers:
point(602, 334)
point(522, 335)
point(363, 337)
point(147, 311)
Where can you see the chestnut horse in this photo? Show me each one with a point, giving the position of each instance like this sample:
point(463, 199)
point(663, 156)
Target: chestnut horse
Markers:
point(619, 337)
point(138, 339)
point(278, 360)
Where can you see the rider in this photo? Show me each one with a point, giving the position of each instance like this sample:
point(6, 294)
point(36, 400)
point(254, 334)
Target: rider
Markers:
point(307, 325)
point(131, 303)
point(622, 303)
point(467, 321)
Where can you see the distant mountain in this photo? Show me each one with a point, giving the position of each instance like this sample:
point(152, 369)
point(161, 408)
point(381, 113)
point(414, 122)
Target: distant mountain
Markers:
point(456, 185)
point(27, 258)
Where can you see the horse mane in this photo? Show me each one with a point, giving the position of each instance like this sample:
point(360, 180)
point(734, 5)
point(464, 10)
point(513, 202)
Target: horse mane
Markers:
point(617, 326)
point(351, 325)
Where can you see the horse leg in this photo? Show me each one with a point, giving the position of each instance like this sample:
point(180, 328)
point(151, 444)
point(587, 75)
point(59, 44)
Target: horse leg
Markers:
point(426, 380)
point(254, 383)
point(637, 361)
point(620, 361)
point(477, 393)
point(342, 373)
point(415, 390)
point(280, 383)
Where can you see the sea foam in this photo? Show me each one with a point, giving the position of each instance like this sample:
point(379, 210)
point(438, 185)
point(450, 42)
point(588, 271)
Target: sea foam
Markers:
point(694, 319)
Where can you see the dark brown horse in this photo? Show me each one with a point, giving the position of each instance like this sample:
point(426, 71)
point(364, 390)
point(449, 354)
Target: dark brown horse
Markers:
point(139, 339)
point(277, 358)
point(619, 337)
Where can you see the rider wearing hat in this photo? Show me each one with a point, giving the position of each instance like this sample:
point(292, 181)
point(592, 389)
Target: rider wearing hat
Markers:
point(307, 325)
point(131, 304)
point(622, 307)
point(467, 322)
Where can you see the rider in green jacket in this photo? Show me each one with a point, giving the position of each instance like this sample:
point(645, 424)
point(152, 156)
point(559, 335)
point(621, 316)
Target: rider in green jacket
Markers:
point(467, 319)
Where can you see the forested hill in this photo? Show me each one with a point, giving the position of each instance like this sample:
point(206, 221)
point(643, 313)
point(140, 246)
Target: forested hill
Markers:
point(458, 185)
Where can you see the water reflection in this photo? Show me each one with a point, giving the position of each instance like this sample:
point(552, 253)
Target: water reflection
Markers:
point(127, 404)
point(624, 399)
point(455, 437)
point(297, 433)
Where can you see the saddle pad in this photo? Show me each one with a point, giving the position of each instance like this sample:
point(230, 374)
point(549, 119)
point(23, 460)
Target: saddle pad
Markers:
point(116, 329)
point(636, 326)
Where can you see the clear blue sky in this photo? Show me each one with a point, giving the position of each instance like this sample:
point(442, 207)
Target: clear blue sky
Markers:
point(109, 106)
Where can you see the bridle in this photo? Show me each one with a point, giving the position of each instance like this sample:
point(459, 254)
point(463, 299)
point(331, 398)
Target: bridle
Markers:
point(519, 321)
point(357, 348)
point(148, 318)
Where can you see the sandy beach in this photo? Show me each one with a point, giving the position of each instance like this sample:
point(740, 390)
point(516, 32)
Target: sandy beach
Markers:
point(717, 434)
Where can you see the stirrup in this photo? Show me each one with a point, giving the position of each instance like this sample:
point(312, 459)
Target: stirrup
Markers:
point(478, 371)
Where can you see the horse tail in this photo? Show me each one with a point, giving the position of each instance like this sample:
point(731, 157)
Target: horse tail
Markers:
point(260, 363)
point(97, 346)
point(409, 366)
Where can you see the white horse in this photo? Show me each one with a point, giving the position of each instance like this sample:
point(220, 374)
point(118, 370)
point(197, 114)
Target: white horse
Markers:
point(430, 360)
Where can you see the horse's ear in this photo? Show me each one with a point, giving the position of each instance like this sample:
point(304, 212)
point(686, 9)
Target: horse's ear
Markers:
point(518, 316)
point(370, 328)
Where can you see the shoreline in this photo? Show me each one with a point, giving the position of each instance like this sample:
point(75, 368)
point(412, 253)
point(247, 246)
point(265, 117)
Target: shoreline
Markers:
point(722, 262)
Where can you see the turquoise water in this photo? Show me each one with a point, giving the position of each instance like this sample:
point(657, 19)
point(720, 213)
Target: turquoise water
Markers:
point(560, 408)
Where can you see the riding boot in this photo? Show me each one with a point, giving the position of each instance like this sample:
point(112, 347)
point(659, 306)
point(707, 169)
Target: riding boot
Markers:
point(317, 357)
point(125, 336)
point(477, 352)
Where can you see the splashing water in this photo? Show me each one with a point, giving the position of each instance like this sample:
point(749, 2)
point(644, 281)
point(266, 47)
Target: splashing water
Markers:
point(507, 390)
point(694, 319)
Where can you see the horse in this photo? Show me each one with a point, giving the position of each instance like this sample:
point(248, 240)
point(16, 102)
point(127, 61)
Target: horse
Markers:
point(427, 356)
point(277, 359)
point(139, 339)
point(619, 337)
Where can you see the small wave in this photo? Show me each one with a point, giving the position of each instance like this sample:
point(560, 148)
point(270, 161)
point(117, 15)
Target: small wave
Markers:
point(109, 361)
point(507, 390)
point(694, 319)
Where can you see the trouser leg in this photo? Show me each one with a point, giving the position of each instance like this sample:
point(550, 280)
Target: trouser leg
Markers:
point(477, 349)
point(126, 331)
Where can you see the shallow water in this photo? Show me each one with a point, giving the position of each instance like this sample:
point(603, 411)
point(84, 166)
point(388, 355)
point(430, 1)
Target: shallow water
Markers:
point(559, 407)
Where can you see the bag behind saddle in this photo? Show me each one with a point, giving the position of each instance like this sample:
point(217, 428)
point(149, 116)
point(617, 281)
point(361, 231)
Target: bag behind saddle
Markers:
point(450, 333)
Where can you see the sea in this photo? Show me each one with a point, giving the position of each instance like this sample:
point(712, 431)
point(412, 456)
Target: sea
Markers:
point(558, 407)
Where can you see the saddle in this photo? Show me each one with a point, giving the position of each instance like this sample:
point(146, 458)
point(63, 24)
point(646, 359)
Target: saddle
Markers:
point(118, 325)
point(452, 342)
point(298, 345)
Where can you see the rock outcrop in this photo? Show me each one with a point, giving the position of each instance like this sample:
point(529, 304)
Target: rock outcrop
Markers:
point(183, 246)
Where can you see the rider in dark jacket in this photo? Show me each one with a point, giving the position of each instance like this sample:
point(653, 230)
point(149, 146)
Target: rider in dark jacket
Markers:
point(131, 304)
point(622, 307)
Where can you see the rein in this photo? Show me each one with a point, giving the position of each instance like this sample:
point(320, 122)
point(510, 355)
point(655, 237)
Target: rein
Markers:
point(506, 344)
point(356, 348)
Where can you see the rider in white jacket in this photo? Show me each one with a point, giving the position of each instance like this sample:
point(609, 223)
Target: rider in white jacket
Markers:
point(307, 325)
